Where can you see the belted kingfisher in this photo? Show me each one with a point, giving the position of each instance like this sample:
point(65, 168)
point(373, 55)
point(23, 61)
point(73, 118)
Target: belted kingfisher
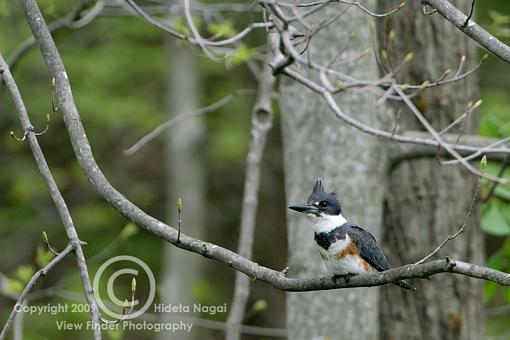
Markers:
point(346, 248)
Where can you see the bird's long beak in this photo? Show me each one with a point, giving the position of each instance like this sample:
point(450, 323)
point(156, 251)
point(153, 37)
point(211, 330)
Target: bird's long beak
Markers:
point(305, 208)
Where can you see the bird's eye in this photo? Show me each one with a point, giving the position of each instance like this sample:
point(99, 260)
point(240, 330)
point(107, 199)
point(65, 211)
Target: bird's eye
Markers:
point(323, 204)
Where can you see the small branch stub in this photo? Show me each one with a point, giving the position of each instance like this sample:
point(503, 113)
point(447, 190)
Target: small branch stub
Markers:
point(179, 219)
point(47, 243)
point(54, 104)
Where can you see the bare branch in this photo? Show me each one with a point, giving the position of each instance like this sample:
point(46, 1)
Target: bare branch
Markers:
point(182, 116)
point(403, 138)
point(55, 194)
point(404, 151)
point(262, 121)
point(440, 140)
point(196, 39)
point(21, 299)
point(472, 29)
point(468, 215)
point(119, 202)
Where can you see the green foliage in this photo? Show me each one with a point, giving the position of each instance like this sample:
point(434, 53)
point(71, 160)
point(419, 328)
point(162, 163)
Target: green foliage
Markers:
point(500, 24)
point(23, 273)
point(115, 334)
point(4, 8)
point(181, 25)
point(498, 261)
point(222, 30)
point(241, 55)
point(259, 306)
point(14, 285)
point(493, 221)
point(496, 213)
point(43, 256)
point(129, 230)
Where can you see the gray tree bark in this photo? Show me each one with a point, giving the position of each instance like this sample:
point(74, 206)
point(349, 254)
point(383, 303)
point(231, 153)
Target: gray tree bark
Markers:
point(318, 145)
point(427, 202)
point(185, 179)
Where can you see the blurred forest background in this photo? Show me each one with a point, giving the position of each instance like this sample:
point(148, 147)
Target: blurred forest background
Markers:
point(119, 68)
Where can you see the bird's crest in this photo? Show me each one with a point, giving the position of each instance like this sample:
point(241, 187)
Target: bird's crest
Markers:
point(319, 194)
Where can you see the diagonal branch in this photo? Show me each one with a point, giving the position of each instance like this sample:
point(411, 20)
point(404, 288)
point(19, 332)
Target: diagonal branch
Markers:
point(132, 212)
point(21, 299)
point(417, 139)
point(466, 220)
point(178, 117)
point(472, 29)
point(55, 194)
point(262, 121)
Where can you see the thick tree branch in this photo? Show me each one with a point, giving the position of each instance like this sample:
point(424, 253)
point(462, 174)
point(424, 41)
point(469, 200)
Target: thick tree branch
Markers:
point(276, 279)
point(55, 194)
point(472, 29)
point(21, 299)
point(261, 123)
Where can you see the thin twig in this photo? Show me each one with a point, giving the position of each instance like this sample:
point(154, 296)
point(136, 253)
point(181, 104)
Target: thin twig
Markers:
point(440, 140)
point(470, 13)
point(466, 220)
point(402, 138)
point(21, 299)
point(179, 219)
point(182, 116)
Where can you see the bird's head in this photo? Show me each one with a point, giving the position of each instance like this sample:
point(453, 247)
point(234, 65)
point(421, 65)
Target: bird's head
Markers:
point(320, 203)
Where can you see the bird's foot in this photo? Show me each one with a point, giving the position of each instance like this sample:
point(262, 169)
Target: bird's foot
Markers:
point(346, 277)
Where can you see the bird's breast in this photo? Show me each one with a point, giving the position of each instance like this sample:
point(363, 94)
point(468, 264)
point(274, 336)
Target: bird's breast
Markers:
point(342, 257)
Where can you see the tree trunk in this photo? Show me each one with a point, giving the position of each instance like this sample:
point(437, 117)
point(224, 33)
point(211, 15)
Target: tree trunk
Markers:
point(185, 175)
point(426, 202)
point(318, 145)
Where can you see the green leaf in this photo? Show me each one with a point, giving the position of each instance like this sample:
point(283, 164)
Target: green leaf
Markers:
point(181, 26)
point(502, 191)
point(494, 223)
point(259, 306)
point(129, 230)
point(242, 54)
point(23, 273)
point(43, 256)
point(224, 30)
point(495, 261)
point(115, 334)
point(507, 294)
point(498, 18)
point(489, 290)
point(489, 125)
point(13, 286)
point(505, 250)
point(4, 8)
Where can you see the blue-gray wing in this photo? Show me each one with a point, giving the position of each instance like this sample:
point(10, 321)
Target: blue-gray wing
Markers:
point(368, 248)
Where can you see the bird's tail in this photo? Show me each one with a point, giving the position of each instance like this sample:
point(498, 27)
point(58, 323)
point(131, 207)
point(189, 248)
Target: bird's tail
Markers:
point(405, 285)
